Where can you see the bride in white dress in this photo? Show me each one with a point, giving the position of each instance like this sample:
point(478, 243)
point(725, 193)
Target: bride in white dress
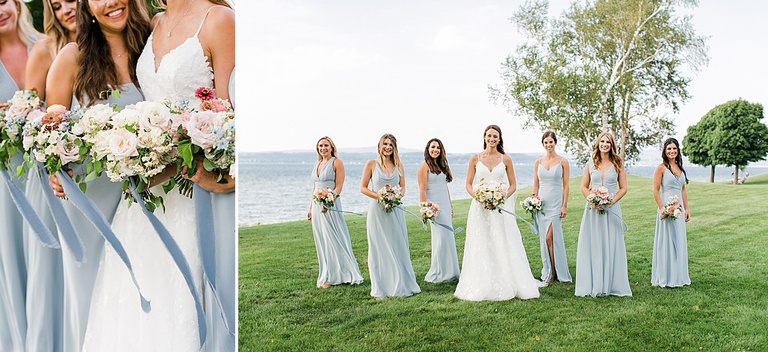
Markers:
point(495, 266)
point(188, 49)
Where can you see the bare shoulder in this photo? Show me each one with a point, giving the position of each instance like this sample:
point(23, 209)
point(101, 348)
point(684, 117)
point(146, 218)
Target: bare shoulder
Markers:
point(337, 162)
point(67, 56)
point(155, 19)
point(220, 18)
point(507, 159)
point(42, 46)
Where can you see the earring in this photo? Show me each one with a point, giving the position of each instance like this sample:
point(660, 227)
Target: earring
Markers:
point(93, 20)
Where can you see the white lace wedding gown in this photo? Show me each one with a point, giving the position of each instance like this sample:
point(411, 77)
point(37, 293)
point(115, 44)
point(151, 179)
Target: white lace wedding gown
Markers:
point(116, 321)
point(495, 267)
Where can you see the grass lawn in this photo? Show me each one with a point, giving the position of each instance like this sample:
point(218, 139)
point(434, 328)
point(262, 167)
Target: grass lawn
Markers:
point(724, 309)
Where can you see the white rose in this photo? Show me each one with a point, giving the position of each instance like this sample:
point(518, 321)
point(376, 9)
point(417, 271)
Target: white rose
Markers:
point(98, 115)
point(153, 116)
point(126, 117)
point(35, 116)
point(68, 151)
point(200, 128)
point(122, 144)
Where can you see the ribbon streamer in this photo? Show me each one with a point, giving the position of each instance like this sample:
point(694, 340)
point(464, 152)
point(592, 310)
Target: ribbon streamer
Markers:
point(534, 230)
point(67, 232)
point(207, 243)
point(423, 225)
point(624, 225)
point(341, 211)
point(454, 231)
point(44, 234)
point(96, 217)
point(178, 258)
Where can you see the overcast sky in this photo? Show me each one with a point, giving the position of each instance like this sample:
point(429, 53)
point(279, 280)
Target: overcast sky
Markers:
point(354, 70)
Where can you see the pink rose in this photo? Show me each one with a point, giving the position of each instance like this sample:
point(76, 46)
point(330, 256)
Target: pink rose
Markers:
point(200, 128)
point(68, 151)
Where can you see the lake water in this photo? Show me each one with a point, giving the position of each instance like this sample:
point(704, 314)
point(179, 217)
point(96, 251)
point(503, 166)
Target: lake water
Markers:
point(275, 187)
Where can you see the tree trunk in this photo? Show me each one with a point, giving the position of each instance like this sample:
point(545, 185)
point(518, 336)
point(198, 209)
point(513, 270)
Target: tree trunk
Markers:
point(712, 174)
point(735, 174)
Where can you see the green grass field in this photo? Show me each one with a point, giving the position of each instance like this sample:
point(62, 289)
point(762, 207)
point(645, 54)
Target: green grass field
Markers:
point(724, 309)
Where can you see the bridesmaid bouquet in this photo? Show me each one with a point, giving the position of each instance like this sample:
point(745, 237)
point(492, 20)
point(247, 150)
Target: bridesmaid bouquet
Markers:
point(13, 118)
point(599, 196)
point(428, 211)
point(490, 194)
point(131, 145)
point(49, 139)
point(672, 209)
point(205, 129)
point(532, 205)
point(390, 197)
point(325, 197)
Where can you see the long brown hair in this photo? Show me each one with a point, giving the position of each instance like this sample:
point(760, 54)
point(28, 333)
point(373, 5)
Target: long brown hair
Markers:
point(97, 72)
point(613, 155)
point(53, 29)
point(500, 146)
point(678, 158)
point(395, 156)
point(439, 165)
point(330, 141)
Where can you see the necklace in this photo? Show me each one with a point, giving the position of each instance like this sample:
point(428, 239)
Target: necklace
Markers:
point(180, 18)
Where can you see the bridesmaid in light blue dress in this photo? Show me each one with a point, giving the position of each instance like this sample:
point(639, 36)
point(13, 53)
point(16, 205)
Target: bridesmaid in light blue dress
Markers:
point(601, 257)
point(18, 36)
point(550, 183)
point(670, 247)
point(389, 256)
point(74, 65)
point(334, 249)
point(433, 176)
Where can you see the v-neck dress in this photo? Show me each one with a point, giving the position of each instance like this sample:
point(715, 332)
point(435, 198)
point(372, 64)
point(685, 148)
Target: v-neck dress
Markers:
point(669, 267)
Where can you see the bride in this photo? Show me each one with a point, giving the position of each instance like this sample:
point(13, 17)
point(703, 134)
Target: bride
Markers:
point(495, 266)
point(191, 46)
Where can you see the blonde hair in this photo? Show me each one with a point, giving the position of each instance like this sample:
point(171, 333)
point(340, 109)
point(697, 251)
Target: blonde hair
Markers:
point(330, 141)
point(53, 29)
point(24, 27)
point(613, 155)
point(395, 156)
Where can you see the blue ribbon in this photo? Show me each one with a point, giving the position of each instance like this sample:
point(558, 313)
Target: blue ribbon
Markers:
point(534, 230)
point(44, 234)
point(423, 225)
point(535, 217)
point(67, 233)
point(96, 217)
point(207, 242)
point(447, 227)
point(624, 225)
point(341, 211)
point(177, 256)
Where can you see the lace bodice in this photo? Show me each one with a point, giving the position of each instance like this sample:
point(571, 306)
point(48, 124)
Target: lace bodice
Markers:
point(177, 74)
point(498, 174)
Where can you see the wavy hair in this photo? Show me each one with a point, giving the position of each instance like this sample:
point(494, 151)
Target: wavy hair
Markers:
point(53, 29)
point(330, 141)
point(500, 146)
point(678, 158)
point(440, 164)
point(613, 155)
point(97, 72)
point(24, 27)
point(395, 156)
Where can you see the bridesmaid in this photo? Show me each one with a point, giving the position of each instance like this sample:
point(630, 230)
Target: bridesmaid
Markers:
point(601, 257)
point(670, 247)
point(334, 249)
point(550, 183)
point(433, 177)
point(17, 35)
point(389, 258)
point(104, 57)
point(45, 305)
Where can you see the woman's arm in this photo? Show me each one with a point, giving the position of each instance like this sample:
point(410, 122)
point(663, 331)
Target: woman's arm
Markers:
point(402, 178)
point(685, 204)
point(535, 188)
point(622, 187)
point(367, 175)
point(585, 182)
point(471, 175)
point(658, 174)
point(61, 77)
point(219, 37)
point(338, 167)
point(510, 176)
point(566, 186)
point(38, 64)
point(422, 177)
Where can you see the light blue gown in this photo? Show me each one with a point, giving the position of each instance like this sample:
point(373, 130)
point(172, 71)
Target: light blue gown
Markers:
point(45, 285)
point(445, 261)
point(601, 257)
point(670, 247)
point(334, 248)
point(219, 338)
point(13, 271)
point(79, 278)
point(551, 193)
point(389, 257)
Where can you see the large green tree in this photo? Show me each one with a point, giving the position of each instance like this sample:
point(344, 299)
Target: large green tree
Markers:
point(731, 134)
point(603, 65)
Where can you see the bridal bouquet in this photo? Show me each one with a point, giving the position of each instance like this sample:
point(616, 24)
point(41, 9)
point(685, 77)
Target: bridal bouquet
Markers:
point(490, 194)
point(390, 197)
point(208, 129)
point(48, 138)
point(532, 205)
point(130, 145)
point(599, 196)
point(672, 209)
point(428, 211)
point(13, 118)
point(325, 197)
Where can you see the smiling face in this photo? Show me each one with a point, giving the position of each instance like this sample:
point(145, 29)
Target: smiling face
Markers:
point(549, 144)
point(66, 13)
point(9, 16)
point(605, 145)
point(491, 138)
point(387, 147)
point(324, 148)
point(434, 149)
point(671, 151)
point(112, 15)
